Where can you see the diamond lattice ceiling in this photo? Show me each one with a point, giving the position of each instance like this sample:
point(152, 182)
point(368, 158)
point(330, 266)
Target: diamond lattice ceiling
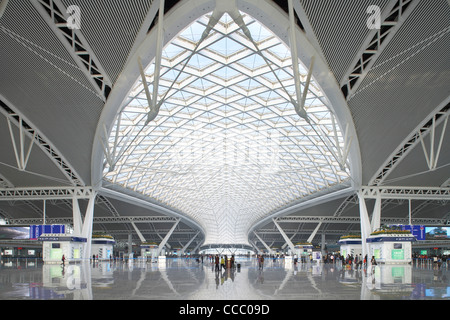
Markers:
point(227, 147)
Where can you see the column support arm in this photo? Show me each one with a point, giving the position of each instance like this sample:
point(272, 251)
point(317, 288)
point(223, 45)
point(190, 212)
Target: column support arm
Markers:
point(311, 237)
point(141, 237)
point(263, 242)
point(365, 224)
point(189, 243)
point(166, 238)
point(286, 238)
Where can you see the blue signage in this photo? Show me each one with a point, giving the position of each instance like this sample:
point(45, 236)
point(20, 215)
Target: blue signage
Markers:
point(417, 231)
point(60, 239)
point(391, 239)
point(37, 230)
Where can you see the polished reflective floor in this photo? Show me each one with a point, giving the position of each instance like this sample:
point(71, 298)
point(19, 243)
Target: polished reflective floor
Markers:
point(186, 279)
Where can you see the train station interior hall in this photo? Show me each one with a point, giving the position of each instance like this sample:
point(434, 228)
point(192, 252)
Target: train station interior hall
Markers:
point(224, 150)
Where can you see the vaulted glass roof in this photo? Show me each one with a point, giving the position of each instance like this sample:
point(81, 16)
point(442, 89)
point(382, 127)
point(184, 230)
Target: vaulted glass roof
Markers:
point(227, 147)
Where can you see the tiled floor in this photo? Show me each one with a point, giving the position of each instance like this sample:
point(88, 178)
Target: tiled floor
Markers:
point(185, 279)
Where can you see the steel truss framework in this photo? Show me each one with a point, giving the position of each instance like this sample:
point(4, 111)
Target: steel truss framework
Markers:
point(356, 220)
point(396, 12)
point(226, 131)
point(40, 193)
point(412, 193)
point(226, 246)
point(417, 137)
point(103, 220)
point(27, 129)
point(156, 232)
point(381, 193)
point(57, 16)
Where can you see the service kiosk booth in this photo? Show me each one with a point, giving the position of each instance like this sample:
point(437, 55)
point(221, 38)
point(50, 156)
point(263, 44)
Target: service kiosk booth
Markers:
point(102, 246)
point(350, 245)
point(303, 251)
point(54, 246)
point(390, 246)
point(149, 252)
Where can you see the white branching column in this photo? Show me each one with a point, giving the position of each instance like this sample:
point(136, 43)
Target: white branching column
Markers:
point(82, 228)
point(365, 224)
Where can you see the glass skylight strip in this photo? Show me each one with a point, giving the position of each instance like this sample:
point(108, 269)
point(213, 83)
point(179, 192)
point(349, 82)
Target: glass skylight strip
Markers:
point(227, 147)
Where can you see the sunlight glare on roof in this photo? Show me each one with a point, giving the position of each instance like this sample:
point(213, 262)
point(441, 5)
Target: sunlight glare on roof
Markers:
point(227, 147)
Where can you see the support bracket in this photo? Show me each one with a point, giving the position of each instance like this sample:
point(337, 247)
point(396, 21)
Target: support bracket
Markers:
point(22, 157)
point(285, 237)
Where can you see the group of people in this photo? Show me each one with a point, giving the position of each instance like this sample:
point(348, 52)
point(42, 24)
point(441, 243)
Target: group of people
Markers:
point(350, 260)
point(437, 259)
point(223, 262)
point(94, 257)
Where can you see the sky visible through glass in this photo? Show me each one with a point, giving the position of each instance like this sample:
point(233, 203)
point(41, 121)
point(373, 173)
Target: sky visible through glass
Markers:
point(227, 147)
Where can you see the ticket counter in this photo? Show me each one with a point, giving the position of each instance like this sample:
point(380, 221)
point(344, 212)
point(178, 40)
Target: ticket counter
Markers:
point(391, 248)
point(102, 246)
point(55, 246)
point(149, 252)
point(303, 251)
point(350, 245)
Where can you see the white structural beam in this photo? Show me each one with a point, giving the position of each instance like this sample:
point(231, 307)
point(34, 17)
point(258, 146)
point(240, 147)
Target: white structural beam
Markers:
point(311, 237)
point(255, 247)
point(153, 233)
point(376, 216)
point(84, 228)
point(285, 237)
point(161, 237)
point(154, 107)
point(299, 108)
point(146, 204)
point(439, 115)
point(45, 193)
point(432, 156)
point(413, 193)
point(22, 156)
point(5, 183)
point(27, 129)
point(197, 247)
point(264, 243)
point(365, 223)
point(166, 238)
point(76, 216)
point(189, 243)
point(3, 5)
point(141, 237)
point(102, 220)
point(86, 231)
point(356, 220)
point(389, 22)
point(285, 244)
point(59, 18)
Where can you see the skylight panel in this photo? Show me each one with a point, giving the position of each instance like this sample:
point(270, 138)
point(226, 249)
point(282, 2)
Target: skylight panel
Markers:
point(226, 47)
point(193, 32)
point(227, 147)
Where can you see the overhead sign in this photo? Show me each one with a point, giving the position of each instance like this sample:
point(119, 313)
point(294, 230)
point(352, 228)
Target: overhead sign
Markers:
point(417, 231)
point(37, 230)
point(438, 233)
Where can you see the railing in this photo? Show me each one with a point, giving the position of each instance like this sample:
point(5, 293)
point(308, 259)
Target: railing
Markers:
point(429, 263)
point(20, 261)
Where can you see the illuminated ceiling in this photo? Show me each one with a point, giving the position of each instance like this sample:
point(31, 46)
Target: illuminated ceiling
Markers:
point(227, 148)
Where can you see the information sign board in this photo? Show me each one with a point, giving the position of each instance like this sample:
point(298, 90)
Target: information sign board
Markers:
point(37, 230)
point(398, 254)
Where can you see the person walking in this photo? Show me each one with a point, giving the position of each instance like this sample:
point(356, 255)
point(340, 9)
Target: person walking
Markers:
point(261, 262)
point(63, 259)
point(216, 262)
